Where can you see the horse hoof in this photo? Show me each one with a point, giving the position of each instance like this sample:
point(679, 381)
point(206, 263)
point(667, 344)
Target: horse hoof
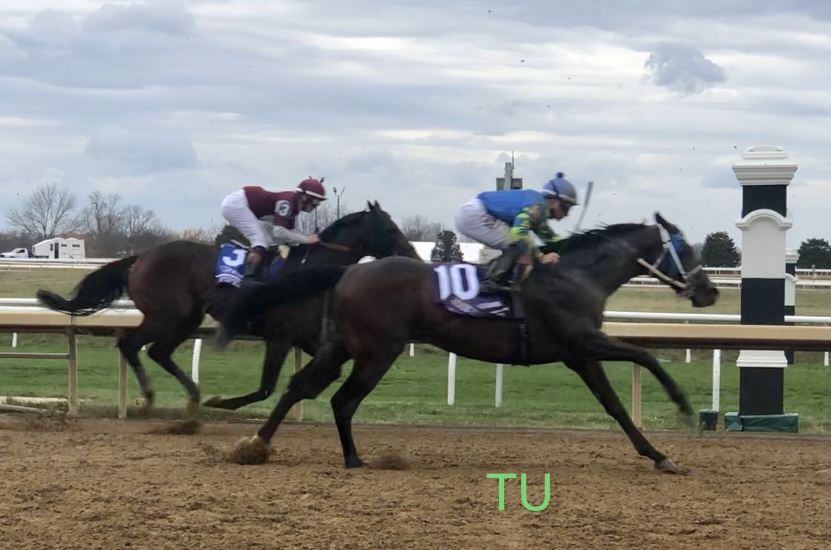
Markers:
point(666, 466)
point(214, 402)
point(354, 463)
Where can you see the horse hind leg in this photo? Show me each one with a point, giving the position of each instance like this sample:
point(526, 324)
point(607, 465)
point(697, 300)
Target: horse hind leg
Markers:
point(162, 353)
point(129, 344)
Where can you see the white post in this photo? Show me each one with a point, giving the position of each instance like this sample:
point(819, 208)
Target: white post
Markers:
point(716, 379)
point(451, 379)
point(688, 357)
point(412, 349)
point(791, 257)
point(14, 340)
point(499, 369)
point(194, 368)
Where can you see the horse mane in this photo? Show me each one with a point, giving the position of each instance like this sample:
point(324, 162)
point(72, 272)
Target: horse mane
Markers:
point(334, 229)
point(593, 238)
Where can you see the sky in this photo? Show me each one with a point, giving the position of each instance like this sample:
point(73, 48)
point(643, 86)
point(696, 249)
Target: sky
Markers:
point(418, 104)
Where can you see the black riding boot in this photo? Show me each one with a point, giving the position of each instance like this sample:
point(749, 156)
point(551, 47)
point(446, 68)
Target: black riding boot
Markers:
point(503, 266)
point(252, 272)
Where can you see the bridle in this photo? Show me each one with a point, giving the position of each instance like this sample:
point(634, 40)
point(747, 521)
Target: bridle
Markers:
point(669, 253)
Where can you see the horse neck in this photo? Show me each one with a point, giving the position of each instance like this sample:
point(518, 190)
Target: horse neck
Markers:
point(618, 263)
point(317, 255)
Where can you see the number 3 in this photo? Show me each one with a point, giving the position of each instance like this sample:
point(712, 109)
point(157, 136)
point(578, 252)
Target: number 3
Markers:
point(459, 280)
point(235, 261)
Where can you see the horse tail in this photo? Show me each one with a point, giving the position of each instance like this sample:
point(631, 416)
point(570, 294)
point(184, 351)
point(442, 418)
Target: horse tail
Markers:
point(96, 291)
point(291, 288)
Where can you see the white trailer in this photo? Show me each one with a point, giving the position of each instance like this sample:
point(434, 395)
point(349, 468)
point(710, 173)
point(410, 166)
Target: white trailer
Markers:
point(60, 249)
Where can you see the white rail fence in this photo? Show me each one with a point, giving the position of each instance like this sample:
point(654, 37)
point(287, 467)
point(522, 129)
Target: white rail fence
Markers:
point(12, 309)
point(731, 279)
point(686, 318)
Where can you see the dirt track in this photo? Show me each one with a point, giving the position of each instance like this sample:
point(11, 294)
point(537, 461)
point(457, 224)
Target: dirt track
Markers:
point(111, 484)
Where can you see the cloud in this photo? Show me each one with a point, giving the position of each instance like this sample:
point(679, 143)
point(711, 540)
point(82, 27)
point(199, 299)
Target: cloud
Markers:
point(415, 104)
point(682, 69)
point(121, 151)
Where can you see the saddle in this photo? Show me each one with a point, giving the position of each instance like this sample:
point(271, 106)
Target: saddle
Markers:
point(230, 264)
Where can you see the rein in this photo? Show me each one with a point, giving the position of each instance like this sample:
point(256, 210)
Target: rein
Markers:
point(335, 246)
point(324, 244)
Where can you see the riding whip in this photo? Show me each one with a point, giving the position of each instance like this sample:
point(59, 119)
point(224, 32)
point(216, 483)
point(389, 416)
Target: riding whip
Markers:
point(585, 205)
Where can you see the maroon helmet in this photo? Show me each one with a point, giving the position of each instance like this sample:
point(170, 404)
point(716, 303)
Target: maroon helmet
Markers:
point(312, 188)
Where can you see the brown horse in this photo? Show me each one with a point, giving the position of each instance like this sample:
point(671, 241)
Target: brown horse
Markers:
point(379, 306)
point(173, 285)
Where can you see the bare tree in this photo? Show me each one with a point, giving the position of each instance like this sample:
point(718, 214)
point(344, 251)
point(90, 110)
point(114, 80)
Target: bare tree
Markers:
point(419, 228)
point(198, 234)
point(47, 212)
point(104, 220)
point(142, 230)
point(139, 221)
point(103, 214)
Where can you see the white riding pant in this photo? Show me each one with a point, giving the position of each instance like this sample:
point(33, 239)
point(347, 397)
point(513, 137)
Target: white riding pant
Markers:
point(472, 220)
point(236, 212)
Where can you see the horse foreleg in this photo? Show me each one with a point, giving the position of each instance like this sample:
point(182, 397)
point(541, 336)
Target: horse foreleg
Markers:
point(361, 381)
point(604, 348)
point(308, 383)
point(275, 356)
point(595, 378)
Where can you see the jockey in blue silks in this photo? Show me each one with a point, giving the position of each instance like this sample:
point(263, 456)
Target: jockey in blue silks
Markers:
point(504, 220)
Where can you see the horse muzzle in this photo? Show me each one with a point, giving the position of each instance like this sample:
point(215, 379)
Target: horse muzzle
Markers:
point(705, 297)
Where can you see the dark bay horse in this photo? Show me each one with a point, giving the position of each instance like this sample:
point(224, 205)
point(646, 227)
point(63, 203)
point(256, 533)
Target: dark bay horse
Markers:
point(377, 307)
point(173, 285)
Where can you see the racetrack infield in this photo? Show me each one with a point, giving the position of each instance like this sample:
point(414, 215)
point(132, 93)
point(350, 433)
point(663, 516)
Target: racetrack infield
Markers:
point(115, 484)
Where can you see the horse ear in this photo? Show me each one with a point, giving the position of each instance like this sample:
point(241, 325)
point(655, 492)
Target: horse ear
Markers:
point(369, 205)
point(378, 206)
point(669, 226)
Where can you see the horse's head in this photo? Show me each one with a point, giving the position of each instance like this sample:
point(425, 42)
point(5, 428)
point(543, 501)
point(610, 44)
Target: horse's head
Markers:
point(675, 262)
point(371, 232)
point(661, 249)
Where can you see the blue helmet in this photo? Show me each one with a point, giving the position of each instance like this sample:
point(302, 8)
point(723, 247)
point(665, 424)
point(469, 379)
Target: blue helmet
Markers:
point(560, 188)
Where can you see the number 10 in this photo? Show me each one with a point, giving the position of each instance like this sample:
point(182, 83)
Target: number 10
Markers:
point(457, 279)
